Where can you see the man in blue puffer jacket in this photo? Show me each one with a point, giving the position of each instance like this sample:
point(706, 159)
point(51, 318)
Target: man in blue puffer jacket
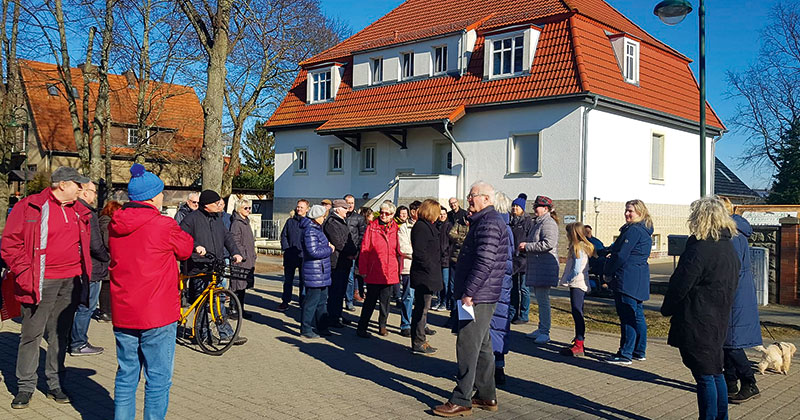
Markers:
point(480, 271)
point(744, 329)
point(316, 274)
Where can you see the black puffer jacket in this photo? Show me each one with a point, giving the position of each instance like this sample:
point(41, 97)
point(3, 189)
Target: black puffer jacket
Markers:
point(444, 240)
point(482, 262)
point(521, 227)
point(357, 225)
point(98, 249)
point(338, 234)
point(208, 231)
point(426, 264)
point(699, 299)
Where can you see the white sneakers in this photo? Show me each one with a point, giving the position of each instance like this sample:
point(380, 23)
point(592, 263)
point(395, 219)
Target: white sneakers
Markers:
point(538, 337)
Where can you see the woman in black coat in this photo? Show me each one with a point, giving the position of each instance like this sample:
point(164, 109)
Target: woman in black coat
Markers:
point(426, 273)
point(699, 299)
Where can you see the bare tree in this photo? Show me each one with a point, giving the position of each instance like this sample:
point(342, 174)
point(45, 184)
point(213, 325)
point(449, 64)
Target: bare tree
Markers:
point(274, 36)
point(769, 89)
point(214, 33)
point(10, 98)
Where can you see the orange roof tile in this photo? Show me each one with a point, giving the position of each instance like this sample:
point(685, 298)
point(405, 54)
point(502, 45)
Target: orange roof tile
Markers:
point(175, 107)
point(574, 56)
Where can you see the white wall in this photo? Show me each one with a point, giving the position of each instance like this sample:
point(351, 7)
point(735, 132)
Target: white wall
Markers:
point(618, 161)
point(484, 137)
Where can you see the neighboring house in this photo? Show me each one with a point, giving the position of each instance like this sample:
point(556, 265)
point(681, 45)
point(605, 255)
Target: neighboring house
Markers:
point(728, 184)
point(566, 99)
point(175, 127)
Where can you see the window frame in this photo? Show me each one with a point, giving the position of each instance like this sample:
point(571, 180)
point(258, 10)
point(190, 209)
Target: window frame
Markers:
point(403, 56)
point(134, 130)
point(662, 156)
point(376, 69)
point(511, 155)
point(656, 242)
point(364, 158)
point(332, 159)
point(436, 68)
point(634, 58)
point(512, 51)
point(296, 161)
point(315, 83)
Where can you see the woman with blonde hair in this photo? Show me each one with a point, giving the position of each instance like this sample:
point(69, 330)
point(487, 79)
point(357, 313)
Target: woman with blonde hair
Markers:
point(426, 273)
point(630, 280)
point(699, 300)
point(576, 277)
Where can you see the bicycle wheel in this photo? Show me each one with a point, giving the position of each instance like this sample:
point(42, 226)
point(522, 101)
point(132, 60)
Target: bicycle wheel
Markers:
point(217, 322)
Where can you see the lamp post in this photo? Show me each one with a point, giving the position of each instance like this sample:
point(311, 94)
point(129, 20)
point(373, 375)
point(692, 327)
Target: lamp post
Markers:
point(672, 12)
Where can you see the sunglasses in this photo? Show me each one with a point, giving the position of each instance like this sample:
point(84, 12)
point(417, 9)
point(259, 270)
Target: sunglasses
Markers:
point(194, 201)
point(247, 208)
point(386, 213)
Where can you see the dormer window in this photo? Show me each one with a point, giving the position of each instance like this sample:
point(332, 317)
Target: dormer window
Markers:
point(321, 86)
point(407, 65)
point(626, 48)
point(507, 56)
point(631, 62)
point(376, 69)
point(440, 60)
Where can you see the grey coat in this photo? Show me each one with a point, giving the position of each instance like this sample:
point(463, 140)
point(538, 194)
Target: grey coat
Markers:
point(245, 241)
point(542, 253)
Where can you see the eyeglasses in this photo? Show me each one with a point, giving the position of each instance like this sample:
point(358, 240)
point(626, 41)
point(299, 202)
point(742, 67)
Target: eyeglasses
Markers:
point(471, 195)
point(193, 201)
point(247, 208)
point(386, 213)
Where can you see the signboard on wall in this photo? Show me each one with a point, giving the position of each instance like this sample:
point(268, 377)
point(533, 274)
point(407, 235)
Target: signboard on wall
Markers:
point(767, 215)
point(570, 219)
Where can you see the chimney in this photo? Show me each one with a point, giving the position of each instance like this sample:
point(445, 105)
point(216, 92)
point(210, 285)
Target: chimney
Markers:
point(130, 76)
point(89, 69)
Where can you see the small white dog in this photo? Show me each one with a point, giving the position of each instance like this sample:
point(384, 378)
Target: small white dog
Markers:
point(777, 356)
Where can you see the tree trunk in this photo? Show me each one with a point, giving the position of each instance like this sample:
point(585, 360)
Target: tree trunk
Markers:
point(101, 114)
point(236, 163)
point(10, 96)
point(66, 80)
point(212, 112)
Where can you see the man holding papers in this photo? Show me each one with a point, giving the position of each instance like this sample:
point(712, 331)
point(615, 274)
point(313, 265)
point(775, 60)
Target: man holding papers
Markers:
point(479, 279)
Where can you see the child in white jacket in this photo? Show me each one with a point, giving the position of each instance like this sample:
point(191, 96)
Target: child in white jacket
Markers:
point(576, 276)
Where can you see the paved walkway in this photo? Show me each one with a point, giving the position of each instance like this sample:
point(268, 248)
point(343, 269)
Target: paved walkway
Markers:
point(278, 375)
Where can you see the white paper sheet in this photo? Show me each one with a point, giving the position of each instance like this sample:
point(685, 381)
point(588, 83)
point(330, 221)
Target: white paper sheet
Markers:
point(466, 313)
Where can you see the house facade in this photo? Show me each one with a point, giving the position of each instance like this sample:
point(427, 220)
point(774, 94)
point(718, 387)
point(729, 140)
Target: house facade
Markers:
point(174, 128)
point(566, 99)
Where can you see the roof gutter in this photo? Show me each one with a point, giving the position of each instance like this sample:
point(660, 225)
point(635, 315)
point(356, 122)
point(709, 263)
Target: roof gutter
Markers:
point(449, 135)
point(584, 152)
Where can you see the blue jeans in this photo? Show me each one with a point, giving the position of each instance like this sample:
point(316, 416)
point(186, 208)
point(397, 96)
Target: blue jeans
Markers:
point(350, 291)
point(520, 298)
point(313, 310)
point(445, 295)
point(712, 397)
point(633, 328)
point(543, 300)
point(83, 315)
point(407, 299)
point(153, 350)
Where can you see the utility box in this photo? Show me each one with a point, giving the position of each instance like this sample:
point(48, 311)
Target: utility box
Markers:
point(676, 244)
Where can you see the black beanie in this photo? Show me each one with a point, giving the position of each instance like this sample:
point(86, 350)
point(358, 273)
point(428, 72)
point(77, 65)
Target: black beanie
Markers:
point(208, 196)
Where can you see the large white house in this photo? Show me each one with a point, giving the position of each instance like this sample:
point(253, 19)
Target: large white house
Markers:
point(568, 99)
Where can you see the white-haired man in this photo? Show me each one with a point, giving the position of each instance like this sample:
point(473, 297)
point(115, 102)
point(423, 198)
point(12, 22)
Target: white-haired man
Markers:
point(191, 204)
point(480, 270)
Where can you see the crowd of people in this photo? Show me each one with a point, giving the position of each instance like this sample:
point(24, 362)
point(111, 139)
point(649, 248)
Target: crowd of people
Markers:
point(478, 265)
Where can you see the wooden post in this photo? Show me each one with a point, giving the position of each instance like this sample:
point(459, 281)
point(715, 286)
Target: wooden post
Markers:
point(789, 258)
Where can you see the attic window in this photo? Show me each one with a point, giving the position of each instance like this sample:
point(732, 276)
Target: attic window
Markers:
point(630, 63)
point(510, 54)
point(377, 70)
point(507, 56)
point(322, 86)
point(440, 60)
point(407, 65)
point(134, 139)
point(74, 92)
point(52, 90)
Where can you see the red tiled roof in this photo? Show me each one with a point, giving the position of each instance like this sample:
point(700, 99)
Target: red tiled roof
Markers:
point(574, 55)
point(175, 107)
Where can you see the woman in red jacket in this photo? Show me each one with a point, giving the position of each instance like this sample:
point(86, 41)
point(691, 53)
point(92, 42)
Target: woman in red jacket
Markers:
point(379, 264)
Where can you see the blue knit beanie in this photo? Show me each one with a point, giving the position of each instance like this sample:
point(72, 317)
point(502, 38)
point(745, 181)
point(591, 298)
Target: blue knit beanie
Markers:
point(143, 185)
point(520, 201)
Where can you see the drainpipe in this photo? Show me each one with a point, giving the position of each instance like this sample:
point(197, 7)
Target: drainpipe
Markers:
point(452, 139)
point(584, 150)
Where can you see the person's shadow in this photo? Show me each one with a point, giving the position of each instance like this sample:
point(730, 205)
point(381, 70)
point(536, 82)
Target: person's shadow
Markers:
point(87, 397)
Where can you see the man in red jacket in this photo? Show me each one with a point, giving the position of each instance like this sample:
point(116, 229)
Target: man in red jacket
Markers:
point(46, 247)
point(145, 299)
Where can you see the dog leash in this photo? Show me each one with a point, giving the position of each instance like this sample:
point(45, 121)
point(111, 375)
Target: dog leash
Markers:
point(770, 333)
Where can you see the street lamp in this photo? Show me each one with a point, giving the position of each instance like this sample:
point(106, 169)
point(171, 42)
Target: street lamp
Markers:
point(672, 12)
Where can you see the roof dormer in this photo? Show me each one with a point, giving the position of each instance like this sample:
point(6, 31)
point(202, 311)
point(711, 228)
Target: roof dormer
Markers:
point(626, 49)
point(509, 51)
point(323, 82)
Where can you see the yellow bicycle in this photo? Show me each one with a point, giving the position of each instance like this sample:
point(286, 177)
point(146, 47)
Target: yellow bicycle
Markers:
point(217, 313)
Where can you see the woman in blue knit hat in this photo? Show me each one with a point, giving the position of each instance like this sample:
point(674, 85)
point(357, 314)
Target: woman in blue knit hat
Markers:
point(521, 226)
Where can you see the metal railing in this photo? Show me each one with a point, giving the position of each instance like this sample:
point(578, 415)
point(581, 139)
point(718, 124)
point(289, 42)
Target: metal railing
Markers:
point(271, 229)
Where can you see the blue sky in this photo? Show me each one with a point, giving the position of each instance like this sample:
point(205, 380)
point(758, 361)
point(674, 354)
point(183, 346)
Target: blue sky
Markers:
point(733, 30)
